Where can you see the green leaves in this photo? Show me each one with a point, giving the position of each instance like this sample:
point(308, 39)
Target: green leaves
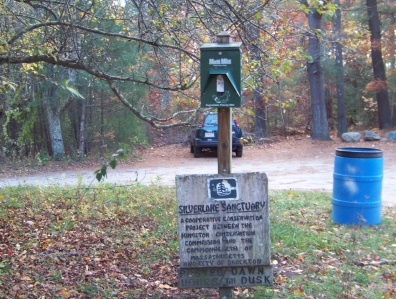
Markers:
point(101, 173)
point(113, 163)
point(67, 86)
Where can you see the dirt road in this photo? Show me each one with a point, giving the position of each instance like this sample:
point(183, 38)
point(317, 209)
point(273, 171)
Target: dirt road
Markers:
point(298, 164)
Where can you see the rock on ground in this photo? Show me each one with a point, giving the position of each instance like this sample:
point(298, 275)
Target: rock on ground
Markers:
point(351, 137)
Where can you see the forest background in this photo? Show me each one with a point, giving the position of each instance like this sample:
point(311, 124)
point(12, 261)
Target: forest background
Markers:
point(78, 78)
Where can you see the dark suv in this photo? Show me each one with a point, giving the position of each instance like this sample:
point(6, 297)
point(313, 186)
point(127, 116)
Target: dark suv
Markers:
point(205, 137)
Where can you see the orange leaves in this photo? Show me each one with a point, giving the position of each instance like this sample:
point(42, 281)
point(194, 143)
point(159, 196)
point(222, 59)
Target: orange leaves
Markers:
point(166, 287)
point(376, 86)
point(64, 293)
point(300, 258)
point(299, 291)
point(118, 255)
point(25, 278)
point(44, 244)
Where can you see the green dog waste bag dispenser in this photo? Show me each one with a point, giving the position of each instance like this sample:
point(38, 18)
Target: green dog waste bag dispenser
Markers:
point(221, 66)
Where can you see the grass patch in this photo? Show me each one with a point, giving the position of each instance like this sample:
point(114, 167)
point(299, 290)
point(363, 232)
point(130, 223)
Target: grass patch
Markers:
point(121, 242)
point(315, 258)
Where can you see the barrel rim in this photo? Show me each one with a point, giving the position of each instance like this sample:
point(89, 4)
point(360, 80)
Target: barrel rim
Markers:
point(359, 152)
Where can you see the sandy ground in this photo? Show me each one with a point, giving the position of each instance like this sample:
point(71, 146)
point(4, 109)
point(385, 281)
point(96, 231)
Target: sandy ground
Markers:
point(291, 164)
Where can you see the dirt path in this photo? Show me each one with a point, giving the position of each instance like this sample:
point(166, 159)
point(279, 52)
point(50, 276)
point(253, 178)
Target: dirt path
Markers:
point(298, 164)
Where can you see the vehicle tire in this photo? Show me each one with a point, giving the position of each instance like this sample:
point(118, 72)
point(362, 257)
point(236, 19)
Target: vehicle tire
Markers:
point(191, 148)
point(197, 152)
point(239, 151)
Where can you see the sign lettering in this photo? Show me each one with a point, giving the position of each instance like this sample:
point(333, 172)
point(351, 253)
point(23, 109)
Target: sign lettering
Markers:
point(224, 229)
point(220, 61)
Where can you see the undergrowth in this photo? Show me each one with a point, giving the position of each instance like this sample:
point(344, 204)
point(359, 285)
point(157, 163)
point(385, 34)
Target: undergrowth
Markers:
point(121, 242)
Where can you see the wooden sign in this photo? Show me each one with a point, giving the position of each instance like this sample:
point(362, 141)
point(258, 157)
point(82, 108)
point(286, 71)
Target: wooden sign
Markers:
point(225, 277)
point(223, 230)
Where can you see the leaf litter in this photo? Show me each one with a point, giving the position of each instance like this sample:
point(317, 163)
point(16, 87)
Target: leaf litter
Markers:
point(54, 248)
point(123, 244)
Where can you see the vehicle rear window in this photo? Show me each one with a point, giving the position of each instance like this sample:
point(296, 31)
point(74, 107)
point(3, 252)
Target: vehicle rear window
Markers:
point(211, 120)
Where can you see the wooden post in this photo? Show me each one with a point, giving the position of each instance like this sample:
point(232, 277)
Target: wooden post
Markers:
point(224, 156)
point(224, 147)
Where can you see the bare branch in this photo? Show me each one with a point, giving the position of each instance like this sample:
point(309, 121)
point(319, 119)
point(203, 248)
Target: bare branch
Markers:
point(155, 122)
point(102, 33)
point(74, 64)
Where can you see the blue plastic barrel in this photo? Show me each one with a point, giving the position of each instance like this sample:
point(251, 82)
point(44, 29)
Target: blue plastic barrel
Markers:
point(357, 186)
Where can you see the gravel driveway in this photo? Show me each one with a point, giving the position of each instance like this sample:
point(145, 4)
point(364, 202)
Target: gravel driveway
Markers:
point(300, 170)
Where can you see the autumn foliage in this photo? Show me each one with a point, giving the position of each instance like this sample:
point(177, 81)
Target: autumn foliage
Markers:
point(121, 242)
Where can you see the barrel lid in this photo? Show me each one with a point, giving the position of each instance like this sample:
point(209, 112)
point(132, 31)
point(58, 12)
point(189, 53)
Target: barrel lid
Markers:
point(359, 152)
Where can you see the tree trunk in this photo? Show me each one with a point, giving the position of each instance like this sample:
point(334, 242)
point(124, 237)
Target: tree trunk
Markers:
point(102, 140)
point(341, 105)
point(164, 78)
point(392, 77)
point(55, 104)
point(384, 112)
point(320, 128)
point(89, 125)
point(260, 119)
point(53, 111)
point(55, 130)
point(81, 134)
